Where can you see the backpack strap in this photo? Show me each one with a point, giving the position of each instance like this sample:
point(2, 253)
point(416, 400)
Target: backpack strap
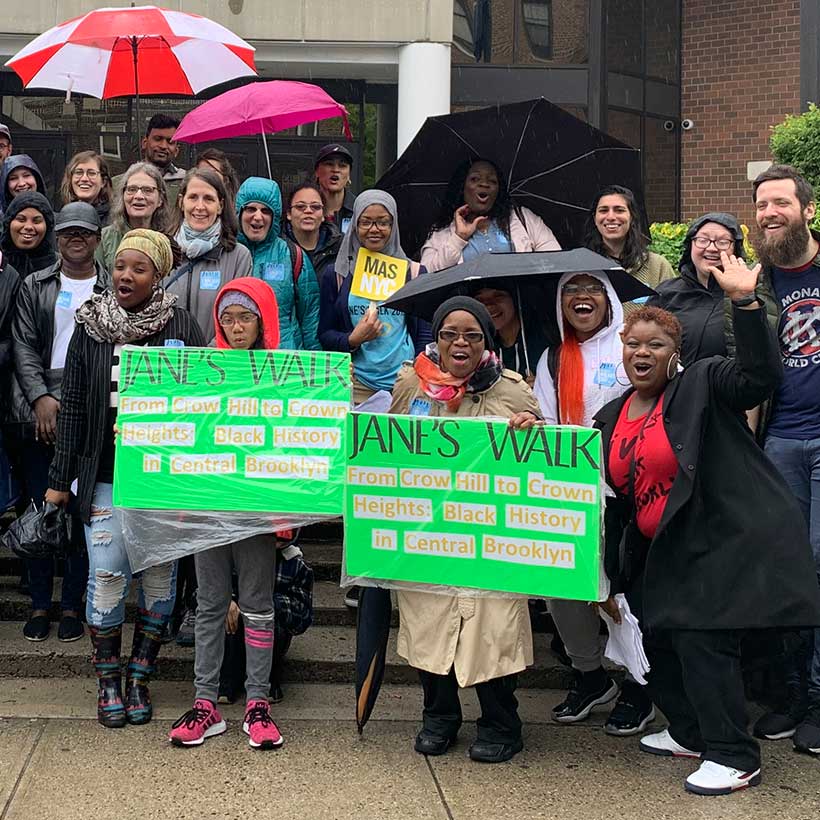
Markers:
point(297, 256)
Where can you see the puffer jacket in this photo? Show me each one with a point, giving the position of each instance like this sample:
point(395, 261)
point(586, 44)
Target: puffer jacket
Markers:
point(12, 163)
point(273, 262)
point(32, 332)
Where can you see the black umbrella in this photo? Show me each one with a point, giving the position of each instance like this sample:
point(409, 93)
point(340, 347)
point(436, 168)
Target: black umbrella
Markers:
point(554, 164)
point(533, 275)
point(372, 632)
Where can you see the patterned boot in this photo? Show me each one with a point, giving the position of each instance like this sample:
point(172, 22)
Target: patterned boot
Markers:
point(106, 659)
point(147, 642)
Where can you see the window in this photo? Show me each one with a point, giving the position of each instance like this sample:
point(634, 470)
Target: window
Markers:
point(462, 29)
point(538, 25)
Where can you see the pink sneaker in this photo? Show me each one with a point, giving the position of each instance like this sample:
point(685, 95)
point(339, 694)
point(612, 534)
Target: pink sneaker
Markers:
point(194, 726)
point(259, 726)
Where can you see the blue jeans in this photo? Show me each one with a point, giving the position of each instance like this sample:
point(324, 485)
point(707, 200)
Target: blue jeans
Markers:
point(798, 461)
point(109, 573)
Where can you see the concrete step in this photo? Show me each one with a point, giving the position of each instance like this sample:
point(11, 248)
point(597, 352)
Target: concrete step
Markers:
point(324, 654)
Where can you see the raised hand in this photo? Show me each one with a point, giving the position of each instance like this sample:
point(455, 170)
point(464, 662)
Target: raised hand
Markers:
point(736, 279)
point(465, 226)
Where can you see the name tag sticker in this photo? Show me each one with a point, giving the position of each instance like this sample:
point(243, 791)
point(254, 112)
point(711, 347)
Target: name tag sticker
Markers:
point(420, 407)
point(273, 271)
point(210, 279)
point(64, 299)
point(605, 375)
point(174, 343)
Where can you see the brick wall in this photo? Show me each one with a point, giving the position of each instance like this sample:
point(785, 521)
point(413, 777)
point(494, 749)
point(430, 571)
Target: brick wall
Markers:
point(741, 74)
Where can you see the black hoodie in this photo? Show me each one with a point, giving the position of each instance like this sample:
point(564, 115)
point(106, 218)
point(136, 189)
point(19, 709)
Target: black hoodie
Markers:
point(699, 309)
point(44, 255)
point(12, 163)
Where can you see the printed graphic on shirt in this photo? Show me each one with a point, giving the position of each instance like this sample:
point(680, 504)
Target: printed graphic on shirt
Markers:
point(800, 327)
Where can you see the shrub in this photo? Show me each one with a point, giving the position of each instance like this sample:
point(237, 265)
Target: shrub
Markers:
point(796, 141)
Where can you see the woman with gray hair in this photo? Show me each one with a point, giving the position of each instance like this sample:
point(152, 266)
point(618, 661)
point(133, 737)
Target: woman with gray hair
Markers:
point(141, 201)
point(379, 339)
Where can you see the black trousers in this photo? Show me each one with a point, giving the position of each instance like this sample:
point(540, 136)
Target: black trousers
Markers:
point(697, 682)
point(499, 721)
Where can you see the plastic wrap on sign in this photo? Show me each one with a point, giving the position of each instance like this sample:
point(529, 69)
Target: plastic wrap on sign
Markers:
point(472, 506)
point(218, 445)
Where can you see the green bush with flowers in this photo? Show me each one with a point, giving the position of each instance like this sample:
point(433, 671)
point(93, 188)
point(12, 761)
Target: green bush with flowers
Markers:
point(667, 240)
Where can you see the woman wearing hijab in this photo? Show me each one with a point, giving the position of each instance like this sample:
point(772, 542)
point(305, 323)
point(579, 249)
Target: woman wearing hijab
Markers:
point(573, 382)
point(704, 536)
point(379, 339)
point(478, 216)
point(463, 640)
point(28, 234)
point(136, 311)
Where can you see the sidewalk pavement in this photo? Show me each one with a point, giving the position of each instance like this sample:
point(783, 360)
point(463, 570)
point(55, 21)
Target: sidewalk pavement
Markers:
point(57, 762)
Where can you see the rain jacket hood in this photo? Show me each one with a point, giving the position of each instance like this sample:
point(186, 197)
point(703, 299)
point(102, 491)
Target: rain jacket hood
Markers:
point(297, 297)
point(685, 266)
point(44, 255)
point(265, 299)
point(12, 163)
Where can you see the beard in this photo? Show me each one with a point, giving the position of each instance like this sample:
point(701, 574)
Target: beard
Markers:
point(786, 251)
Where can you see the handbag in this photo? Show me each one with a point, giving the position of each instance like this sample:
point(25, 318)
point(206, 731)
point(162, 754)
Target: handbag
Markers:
point(43, 532)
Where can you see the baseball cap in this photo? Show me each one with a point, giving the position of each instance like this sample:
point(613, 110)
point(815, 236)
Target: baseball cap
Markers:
point(334, 149)
point(77, 215)
point(4, 131)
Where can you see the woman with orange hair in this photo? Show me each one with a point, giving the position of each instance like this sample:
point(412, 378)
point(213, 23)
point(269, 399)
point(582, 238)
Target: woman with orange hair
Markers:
point(573, 382)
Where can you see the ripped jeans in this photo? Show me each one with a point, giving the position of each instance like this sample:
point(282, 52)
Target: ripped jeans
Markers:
point(109, 573)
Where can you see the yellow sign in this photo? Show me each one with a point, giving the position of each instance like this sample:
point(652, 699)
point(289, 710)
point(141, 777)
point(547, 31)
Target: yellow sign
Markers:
point(376, 276)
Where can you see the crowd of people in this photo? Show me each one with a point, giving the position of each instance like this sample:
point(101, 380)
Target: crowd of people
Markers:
point(707, 396)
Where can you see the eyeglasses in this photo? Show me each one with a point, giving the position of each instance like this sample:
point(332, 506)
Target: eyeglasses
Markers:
point(471, 336)
point(75, 233)
point(703, 243)
point(574, 290)
point(79, 173)
point(243, 319)
point(145, 190)
point(314, 207)
point(382, 224)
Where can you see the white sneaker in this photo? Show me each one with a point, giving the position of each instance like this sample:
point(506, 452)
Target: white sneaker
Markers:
point(712, 778)
point(662, 743)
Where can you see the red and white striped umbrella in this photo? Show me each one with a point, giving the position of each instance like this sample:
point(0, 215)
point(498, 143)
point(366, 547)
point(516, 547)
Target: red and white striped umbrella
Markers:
point(118, 52)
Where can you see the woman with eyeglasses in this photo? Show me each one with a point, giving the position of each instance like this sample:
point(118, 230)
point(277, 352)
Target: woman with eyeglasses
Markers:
point(573, 382)
point(465, 640)
point(141, 201)
point(306, 225)
point(695, 297)
point(87, 179)
point(379, 339)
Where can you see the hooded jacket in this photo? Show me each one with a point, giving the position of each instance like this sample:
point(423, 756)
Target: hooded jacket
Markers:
point(11, 164)
point(265, 299)
point(604, 376)
point(45, 254)
point(298, 300)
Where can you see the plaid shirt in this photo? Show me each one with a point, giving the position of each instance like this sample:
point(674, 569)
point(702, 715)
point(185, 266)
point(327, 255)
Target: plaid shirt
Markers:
point(293, 592)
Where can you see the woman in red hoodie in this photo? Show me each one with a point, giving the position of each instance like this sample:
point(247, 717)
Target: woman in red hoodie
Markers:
point(245, 318)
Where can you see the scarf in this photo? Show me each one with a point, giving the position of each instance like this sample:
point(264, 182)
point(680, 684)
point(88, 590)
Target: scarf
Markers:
point(446, 387)
point(197, 243)
point(106, 321)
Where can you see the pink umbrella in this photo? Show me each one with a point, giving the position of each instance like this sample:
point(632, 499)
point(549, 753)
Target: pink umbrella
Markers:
point(260, 108)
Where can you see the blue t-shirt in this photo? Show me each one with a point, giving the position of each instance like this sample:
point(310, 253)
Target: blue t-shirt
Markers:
point(376, 363)
point(493, 241)
point(796, 413)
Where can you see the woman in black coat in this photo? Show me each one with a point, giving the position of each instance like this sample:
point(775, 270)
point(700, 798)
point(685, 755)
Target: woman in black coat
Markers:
point(705, 538)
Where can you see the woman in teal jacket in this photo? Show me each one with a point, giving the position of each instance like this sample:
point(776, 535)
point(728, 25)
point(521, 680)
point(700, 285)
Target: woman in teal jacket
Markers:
point(279, 262)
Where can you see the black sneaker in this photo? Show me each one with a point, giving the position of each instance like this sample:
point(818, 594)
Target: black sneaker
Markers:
point(37, 628)
point(589, 689)
point(632, 713)
point(352, 597)
point(70, 629)
point(782, 723)
point(807, 734)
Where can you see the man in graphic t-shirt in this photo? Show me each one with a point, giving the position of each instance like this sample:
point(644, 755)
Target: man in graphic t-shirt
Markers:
point(790, 253)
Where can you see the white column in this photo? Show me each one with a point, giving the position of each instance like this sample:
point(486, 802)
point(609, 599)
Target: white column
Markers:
point(424, 87)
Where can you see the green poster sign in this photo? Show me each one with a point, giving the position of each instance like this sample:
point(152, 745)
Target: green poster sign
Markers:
point(238, 430)
point(473, 503)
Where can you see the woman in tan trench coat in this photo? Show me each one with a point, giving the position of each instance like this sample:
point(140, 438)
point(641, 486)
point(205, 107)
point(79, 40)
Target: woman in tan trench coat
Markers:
point(465, 640)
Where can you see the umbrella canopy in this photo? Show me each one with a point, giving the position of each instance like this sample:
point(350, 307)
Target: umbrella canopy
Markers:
point(554, 164)
point(372, 632)
point(535, 274)
point(260, 108)
point(117, 52)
